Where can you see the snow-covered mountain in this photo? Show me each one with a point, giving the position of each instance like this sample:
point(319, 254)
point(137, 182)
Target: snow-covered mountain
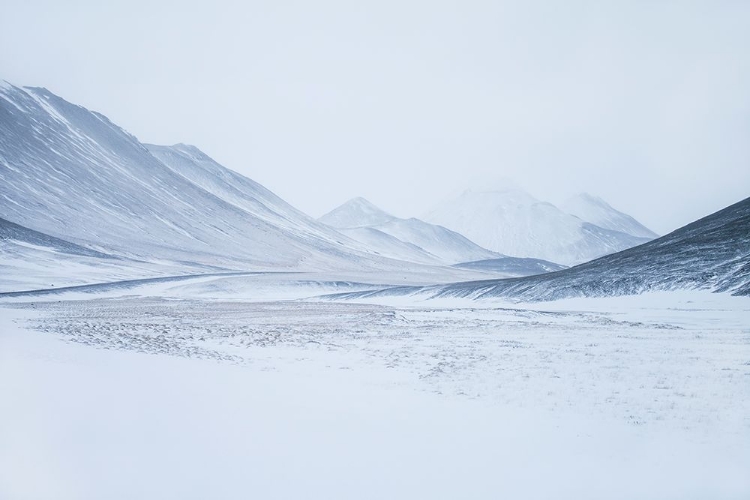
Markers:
point(448, 246)
point(712, 253)
point(514, 223)
point(377, 242)
point(593, 209)
point(406, 239)
point(357, 212)
point(72, 174)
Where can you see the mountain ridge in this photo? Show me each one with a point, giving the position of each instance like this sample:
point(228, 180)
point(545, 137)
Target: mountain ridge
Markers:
point(356, 212)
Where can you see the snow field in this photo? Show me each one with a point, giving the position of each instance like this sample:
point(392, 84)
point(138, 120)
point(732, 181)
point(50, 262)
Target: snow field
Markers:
point(155, 398)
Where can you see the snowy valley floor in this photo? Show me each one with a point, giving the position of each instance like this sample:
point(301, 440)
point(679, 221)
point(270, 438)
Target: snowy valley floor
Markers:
point(154, 394)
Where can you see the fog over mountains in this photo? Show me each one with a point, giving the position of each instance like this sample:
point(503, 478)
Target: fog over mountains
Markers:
point(514, 223)
point(84, 200)
point(418, 241)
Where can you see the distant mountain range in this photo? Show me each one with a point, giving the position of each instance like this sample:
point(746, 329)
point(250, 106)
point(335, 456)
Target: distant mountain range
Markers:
point(712, 253)
point(514, 223)
point(405, 239)
point(418, 241)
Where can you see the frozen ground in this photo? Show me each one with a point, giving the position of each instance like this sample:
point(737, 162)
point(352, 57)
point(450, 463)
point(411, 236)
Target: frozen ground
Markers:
point(149, 393)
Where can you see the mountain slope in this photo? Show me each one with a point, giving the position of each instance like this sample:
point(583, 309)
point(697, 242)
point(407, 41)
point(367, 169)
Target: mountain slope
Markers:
point(376, 241)
point(512, 266)
point(71, 173)
point(448, 246)
point(516, 224)
point(422, 242)
point(712, 253)
point(596, 211)
point(30, 260)
point(198, 168)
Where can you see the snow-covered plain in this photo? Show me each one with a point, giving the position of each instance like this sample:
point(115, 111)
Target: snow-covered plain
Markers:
point(172, 390)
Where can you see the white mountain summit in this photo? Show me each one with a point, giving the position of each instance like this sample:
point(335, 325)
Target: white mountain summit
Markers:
point(515, 223)
point(357, 212)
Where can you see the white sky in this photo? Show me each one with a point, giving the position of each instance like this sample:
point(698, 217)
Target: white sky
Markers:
point(645, 103)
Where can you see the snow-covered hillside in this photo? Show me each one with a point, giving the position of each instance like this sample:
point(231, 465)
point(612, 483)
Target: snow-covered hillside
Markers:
point(595, 210)
point(381, 232)
point(73, 174)
point(30, 260)
point(449, 246)
point(514, 223)
point(378, 242)
point(70, 173)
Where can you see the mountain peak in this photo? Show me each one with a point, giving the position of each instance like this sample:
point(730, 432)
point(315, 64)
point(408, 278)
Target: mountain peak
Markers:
point(515, 223)
point(357, 212)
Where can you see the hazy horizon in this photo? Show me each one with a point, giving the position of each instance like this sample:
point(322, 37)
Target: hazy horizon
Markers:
point(409, 104)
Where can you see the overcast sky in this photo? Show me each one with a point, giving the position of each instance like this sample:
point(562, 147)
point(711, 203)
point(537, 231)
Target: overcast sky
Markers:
point(406, 103)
